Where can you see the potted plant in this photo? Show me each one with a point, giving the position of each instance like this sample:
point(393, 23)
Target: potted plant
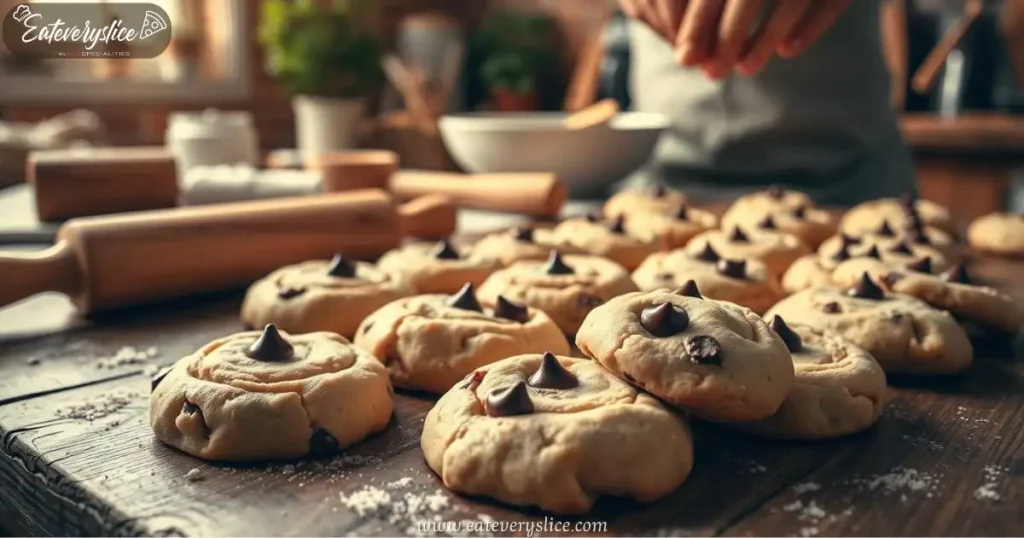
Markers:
point(329, 60)
point(516, 51)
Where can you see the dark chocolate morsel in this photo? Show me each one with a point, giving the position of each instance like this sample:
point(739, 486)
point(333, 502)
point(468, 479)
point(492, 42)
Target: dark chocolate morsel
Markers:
point(885, 230)
point(465, 299)
point(659, 191)
point(901, 248)
point(866, 289)
point(290, 293)
point(689, 289)
point(445, 251)
point(523, 234)
point(665, 276)
point(919, 237)
point(873, 253)
point(156, 379)
point(849, 240)
point(793, 341)
point(708, 254)
point(507, 309)
point(340, 267)
point(513, 400)
point(322, 443)
point(593, 217)
point(842, 254)
point(618, 225)
point(189, 408)
point(664, 320)
point(775, 191)
point(552, 375)
point(704, 349)
point(957, 274)
point(737, 235)
point(270, 346)
point(800, 212)
point(767, 223)
point(681, 213)
point(556, 266)
point(831, 307)
point(732, 268)
point(924, 265)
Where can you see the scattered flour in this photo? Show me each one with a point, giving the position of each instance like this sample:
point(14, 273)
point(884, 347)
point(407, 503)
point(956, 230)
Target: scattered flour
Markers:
point(400, 483)
point(128, 355)
point(98, 408)
point(407, 511)
point(900, 480)
point(195, 475)
point(987, 492)
point(805, 487)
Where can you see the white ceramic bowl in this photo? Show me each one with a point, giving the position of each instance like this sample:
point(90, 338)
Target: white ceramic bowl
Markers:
point(586, 161)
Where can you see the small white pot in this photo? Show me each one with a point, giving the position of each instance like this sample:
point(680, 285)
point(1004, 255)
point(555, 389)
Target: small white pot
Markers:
point(325, 124)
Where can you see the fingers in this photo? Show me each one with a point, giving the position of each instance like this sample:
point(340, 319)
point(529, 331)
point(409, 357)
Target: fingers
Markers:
point(697, 35)
point(778, 27)
point(671, 12)
point(811, 27)
point(648, 13)
point(737, 24)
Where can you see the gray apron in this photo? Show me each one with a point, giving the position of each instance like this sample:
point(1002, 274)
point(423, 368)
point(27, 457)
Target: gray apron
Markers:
point(821, 122)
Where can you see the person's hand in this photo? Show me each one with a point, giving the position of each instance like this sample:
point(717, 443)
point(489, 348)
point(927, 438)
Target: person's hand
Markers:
point(662, 16)
point(720, 35)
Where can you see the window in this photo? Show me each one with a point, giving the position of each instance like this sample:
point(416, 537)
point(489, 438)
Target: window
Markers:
point(208, 60)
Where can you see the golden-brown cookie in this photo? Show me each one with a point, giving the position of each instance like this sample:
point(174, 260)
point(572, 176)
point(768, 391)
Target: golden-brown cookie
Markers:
point(436, 267)
point(788, 211)
point(778, 250)
point(315, 296)
point(899, 213)
point(658, 199)
point(810, 271)
point(998, 233)
point(508, 247)
point(430, 342)
point(556, 433)
point(675, 230)
point(609, 239)
point(888, 248)
point(567, 289)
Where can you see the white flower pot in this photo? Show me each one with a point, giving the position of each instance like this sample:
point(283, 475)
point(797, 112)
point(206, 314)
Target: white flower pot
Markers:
point(325, 124)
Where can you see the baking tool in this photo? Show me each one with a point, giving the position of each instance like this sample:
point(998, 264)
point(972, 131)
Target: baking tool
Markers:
point(538, 194)
point(112, 261)
point(583, 85)
point(224, 183)
point(929, 70)
point(433, 216)
point(351, 170)
point(412, 89)
point(97, 181)
point(599, 113)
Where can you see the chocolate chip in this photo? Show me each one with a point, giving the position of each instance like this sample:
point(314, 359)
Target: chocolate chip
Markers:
point(776, 192)
point(908, 200)
point(901, 248)
point(290, 293)
point(664, 320)
point(513, 400)
point(189, 408)
point(340, 267)
point(552, 375)
point(873, 253)
point(957, 274)
point(842, 254)
point(849, 240)
point(896, 317)
point(885, 230)
point(689, 289)
point(588, 301)
point(367, 326)
point(891, 278)
point(523, 234)
point(556, 266)
point(593, 217)
point(704, 349)
point(866, 289)
point(618, 225)
point(465, 299)
point(732, 268)
point(800, 212)
point(509, 310)
point(737, 236)
point(708, 254)
point(793, 341)
point(831, 307)
point(322, 443)
point(681, 213)
point(665, 276)
point(445, 251)
point(270, 346)
point(767, 223)
point(919, 237)
point(924, 265)
point(659, 191)
point(156, 379)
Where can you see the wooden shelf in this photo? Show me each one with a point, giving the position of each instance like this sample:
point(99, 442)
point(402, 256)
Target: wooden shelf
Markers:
point(973, 133)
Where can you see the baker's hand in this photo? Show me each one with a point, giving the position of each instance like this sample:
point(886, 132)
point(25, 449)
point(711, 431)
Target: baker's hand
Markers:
point(663, 16)
point(720, 35)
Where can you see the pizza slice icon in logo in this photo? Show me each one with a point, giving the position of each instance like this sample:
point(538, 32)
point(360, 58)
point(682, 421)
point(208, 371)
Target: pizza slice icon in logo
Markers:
point(152, 24)
point(21, 12)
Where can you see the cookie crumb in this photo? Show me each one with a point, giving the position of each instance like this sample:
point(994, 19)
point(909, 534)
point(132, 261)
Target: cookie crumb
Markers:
point(195, 475)
point(988, 492)
point(900, 480)
point(127, 355)
point(98, 408)
point(793, 506)
point(367, 501)
point(401, 483)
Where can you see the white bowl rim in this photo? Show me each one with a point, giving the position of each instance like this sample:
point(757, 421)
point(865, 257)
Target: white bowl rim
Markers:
point(546, 121)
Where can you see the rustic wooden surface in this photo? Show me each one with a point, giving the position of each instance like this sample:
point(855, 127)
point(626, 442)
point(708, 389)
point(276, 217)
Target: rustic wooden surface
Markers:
point(947, 457)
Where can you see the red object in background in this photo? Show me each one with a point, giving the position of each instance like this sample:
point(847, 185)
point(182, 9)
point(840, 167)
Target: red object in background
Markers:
point(506, 101)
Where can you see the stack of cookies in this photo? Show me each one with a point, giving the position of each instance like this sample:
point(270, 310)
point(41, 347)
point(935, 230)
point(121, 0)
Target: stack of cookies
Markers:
point(779, 320)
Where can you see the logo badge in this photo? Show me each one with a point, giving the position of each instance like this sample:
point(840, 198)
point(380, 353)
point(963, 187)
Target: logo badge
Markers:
point(87, 30)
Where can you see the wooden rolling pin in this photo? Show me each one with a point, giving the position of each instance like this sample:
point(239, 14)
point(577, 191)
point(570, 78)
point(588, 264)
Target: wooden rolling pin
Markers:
point(113, 261)
point(537, 194)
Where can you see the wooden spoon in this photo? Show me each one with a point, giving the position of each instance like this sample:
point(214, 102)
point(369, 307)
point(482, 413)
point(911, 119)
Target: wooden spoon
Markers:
point(596, 114)
point(932, 65)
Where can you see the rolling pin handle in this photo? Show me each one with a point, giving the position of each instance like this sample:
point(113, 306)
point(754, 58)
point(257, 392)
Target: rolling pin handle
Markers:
point(23, 275)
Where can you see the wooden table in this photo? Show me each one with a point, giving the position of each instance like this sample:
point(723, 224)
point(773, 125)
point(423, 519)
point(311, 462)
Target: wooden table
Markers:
point(947, 457)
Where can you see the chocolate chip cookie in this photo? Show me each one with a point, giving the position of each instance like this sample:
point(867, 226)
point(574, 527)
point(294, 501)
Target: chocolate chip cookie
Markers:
point(839, 388)
point(610, 239)
point(556, 433)
point(788, 211)
point(430, 342)
point(998, 233)
point(744, 282)
point(718, 360)
point(778, 250)
point(315, 296)
point(657, 199)
point(566, 288)
point(517, 244)
point(904, 334)
point(810, 271)
point(675, 230)
point(934, 243)
point(265, 395)
point(900, 213)
point(436, 267)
